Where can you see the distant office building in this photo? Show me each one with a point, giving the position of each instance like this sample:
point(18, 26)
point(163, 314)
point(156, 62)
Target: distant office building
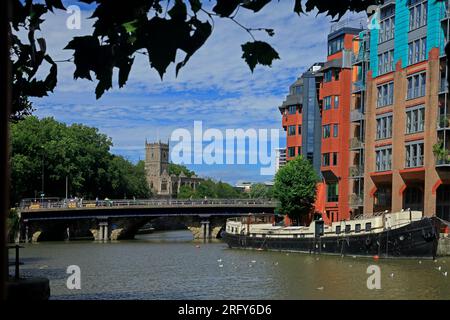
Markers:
point(280, 158)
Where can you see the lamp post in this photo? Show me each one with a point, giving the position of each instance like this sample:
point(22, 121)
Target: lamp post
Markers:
point(42, 177)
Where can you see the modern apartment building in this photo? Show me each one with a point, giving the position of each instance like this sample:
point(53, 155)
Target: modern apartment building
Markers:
point(383, 113)
point(406, 110)
point(316, 117)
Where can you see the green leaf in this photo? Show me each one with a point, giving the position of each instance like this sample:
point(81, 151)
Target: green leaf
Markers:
point(225, 8)
point(298, 7)
point(54, 4)
point(270, 32)
point(130, 26)
point(258, 52)
point(196, 5)
point(178, 11)
point(255, 5)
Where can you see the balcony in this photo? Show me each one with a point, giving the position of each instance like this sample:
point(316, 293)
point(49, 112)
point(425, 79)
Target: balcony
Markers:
point(356, 171)
point(355, 200)
point(356, 115)
point(443, 86)
point(443, 121)
point(358, 86)
point(356, 143)
point(362, 56)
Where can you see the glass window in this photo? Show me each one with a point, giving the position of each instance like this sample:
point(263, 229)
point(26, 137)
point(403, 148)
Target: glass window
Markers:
point(327, 76)
point(368, 226)
point(414, 154)
point(415, 119)
point(291, 152)
point(335, 159)
point(292, 109)
point(332, 192)
point(385, 94)
point(357, 227)
point(336, 102)
point(325, 159)
point(327, 103)
point(335, 130)
point(326, 131)
point(348, 228)
point(291, 130)
point(416, 86)
point(338, 229)
point(299, 129)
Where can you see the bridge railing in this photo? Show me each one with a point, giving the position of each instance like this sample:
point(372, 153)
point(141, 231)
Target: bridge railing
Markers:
point(81, 203)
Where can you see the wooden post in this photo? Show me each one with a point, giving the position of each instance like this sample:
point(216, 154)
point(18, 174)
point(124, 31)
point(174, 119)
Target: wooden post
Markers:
point(5, 107)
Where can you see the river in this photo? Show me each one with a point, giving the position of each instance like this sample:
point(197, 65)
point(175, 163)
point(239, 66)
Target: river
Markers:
point(167, 265)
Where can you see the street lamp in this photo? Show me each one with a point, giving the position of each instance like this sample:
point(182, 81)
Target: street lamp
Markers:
point(42, 177)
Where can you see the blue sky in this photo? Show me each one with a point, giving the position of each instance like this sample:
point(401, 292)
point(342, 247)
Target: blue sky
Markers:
point(215, 87)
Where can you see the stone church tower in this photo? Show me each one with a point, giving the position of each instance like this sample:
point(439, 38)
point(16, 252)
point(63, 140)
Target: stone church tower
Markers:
point(160, 182)
point(157, 167)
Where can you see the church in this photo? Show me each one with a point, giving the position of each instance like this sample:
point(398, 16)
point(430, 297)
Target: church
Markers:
point(159, 179)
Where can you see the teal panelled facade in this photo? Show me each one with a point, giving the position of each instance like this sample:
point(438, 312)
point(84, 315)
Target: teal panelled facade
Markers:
point(435, 34)
point(373, 52)
point(401, 32)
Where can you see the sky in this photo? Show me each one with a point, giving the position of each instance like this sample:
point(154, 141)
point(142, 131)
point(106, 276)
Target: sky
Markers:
point(216, 87)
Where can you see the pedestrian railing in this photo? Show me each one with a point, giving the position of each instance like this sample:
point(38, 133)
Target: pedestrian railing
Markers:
point(92, 204)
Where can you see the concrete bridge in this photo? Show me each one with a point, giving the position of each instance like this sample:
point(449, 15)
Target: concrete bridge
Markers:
point(121, 219)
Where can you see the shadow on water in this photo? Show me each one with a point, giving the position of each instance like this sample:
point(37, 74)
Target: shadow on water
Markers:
point(168, 265)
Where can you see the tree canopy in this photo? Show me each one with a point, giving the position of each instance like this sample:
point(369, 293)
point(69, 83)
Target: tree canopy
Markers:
point(295, 188)
point(159, 29)
point(80, 153)
point(211, 189)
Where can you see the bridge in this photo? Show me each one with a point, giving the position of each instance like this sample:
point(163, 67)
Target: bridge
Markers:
point(56, 219)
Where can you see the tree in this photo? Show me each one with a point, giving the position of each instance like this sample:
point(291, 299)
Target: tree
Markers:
point(260, 190)
point(159, 29)
point(49, 151)
point(295, 188)
point(177, 169)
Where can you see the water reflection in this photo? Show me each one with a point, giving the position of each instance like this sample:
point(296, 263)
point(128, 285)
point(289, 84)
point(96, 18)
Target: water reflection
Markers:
point(170, 266)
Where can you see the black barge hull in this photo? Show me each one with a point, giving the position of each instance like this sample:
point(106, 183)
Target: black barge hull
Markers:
point(418, 239)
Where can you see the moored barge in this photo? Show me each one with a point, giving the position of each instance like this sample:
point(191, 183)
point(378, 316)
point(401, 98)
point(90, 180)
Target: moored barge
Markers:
point(405, 234)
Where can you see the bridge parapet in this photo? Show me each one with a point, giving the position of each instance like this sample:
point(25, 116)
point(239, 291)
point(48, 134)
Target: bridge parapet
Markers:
point(68, 204)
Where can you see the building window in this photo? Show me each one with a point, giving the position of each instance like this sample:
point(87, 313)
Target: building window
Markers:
point(336, 102)
point(386, 62)
point(292, 109)
point(385, 94)
point(299, 129)
point(327, 76)
point(416, 85)
point(417, 50)
point(357, 227)
point(335, 158)
point(332, 192)
point(291, 130)
point(338, 229)
point(417, 14)
point(384, 126)
point(291, 152)
point(415, 119)
point(297, 90)
point(368, 226)
point(383, 158)
point(414, 154)
point(326, 159)
point(327, 103)
point(335, 130)
point(299, 150)
point(335, 45)
point(326, 131)
point(387, 24)
point(348, 228)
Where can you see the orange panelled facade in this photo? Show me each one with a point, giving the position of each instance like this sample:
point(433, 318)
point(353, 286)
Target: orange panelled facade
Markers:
point(332, 140)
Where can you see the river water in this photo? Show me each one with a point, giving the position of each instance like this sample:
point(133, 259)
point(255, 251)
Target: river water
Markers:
point(167, 265)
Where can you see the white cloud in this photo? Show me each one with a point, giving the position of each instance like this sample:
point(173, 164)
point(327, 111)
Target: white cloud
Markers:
point(216, 86)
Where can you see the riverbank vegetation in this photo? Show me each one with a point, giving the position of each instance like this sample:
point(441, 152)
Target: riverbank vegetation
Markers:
point(295, 189)
point(46, 152)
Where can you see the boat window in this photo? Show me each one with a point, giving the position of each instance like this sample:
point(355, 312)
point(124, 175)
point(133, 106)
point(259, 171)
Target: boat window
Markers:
point(368, 226)
point(295, 235)
point(347, 228)
point(358, 227)
point(338, 229)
